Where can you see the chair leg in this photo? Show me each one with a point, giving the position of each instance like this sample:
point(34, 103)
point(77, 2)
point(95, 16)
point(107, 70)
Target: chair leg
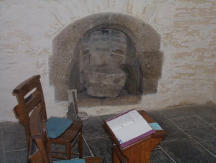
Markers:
point(68, 151)
point(80, 145)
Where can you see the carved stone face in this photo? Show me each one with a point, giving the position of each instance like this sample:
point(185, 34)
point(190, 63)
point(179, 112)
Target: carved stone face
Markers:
point(102, 53)
point(104, 81)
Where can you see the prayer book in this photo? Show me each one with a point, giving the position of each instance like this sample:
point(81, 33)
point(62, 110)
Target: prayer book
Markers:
point(129, 127)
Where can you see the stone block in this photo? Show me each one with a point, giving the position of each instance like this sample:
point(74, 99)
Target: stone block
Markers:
point(151, 64)
point(147, 38)
point(149, 85)
point(133, 82)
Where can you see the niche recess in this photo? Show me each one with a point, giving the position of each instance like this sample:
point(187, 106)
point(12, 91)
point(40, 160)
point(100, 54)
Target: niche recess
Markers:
point(109, 58)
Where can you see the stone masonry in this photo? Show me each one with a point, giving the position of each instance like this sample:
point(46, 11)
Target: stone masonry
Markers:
point(65, 65)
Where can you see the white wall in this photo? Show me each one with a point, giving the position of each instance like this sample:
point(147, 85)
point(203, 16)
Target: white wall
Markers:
point(188, 41)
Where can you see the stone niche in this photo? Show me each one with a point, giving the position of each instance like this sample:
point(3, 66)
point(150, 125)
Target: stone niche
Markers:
point(109, 58)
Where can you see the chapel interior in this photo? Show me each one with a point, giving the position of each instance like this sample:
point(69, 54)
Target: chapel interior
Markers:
point(84, 63)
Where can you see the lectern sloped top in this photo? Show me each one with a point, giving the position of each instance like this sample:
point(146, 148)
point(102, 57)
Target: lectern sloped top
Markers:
point(138, 151)
point(131, 127)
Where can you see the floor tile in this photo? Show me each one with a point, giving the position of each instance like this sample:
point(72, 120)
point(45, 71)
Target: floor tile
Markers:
point(2, 158)
point(189, 122)
point(14, 137)
point(178, 111)
point(202, 133)
point(210, 145)
point(86, 150)
point(94, 128)
point(102, 148)
point(157, 156)
point(16, 157)
point(106, 117)
point(172, 131)
point(187, 151)
point(205, 136)
point(207, 113)
point(157, 116)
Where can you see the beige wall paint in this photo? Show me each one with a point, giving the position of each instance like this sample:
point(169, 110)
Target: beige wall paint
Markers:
point(188, 41)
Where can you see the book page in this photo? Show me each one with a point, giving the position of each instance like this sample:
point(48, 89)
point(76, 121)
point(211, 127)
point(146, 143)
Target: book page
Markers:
point(128, 126)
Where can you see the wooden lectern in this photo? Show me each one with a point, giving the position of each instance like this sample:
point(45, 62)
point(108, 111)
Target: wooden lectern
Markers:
point(140, 151)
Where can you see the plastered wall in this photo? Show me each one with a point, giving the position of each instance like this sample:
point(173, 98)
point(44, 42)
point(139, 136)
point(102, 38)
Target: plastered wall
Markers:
point(188, 42)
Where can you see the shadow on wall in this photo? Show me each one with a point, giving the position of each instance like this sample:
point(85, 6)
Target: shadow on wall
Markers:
point(141, 59)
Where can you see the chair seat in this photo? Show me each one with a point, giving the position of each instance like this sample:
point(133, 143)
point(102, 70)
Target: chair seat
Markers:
point(86, 160)
point(57, 126)
point(69, 134)
point(71, 161)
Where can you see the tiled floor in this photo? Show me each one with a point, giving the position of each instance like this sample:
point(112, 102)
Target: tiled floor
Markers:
point(191, 137)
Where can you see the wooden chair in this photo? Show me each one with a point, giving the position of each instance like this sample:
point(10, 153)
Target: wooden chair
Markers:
point(29, 95)
point(40, 152)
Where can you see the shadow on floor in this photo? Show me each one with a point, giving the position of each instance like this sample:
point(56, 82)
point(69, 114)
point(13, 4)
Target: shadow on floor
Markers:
point(191, 137)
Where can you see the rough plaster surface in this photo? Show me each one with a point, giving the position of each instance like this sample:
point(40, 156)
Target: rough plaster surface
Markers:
point(188, 42)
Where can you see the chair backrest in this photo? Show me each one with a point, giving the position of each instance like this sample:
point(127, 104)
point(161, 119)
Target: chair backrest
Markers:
point(29, 95)
point(40, 151)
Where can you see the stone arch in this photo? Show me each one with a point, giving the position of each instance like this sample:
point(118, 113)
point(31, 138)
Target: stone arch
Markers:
point(65, 58)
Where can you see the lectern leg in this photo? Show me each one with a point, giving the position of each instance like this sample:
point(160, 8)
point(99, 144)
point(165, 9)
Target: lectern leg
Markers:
point(115, 157)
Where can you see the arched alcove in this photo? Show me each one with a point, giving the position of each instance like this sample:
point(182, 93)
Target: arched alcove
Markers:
point(143, 53)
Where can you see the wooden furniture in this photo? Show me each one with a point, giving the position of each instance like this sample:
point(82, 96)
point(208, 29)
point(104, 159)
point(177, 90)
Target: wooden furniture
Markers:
point(29, 95)
point(40, 151)
point(138, 152)
point(121, 157)
point(72, 99)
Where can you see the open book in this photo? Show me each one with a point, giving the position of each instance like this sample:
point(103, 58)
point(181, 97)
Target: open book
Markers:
point(129, 127)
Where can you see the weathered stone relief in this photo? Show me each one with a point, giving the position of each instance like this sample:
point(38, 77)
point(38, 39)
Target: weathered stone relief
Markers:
point(146, 45)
